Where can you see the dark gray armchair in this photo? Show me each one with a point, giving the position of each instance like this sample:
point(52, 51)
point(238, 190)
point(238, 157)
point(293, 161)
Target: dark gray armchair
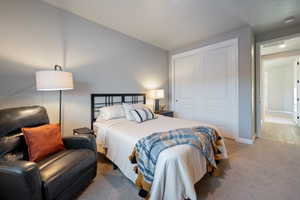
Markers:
point(60, 176)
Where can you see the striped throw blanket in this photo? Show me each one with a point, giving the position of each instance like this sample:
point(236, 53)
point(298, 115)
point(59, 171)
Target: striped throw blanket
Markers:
point(147, 149)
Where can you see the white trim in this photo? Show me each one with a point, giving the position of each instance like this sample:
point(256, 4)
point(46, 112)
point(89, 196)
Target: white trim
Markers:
point(246, 140)
point(204, 48)
point(259, 101)
point(232, 42)
point(279, 111)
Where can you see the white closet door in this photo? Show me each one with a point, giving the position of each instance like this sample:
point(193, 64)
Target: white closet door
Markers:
point(185, 71)
point(205, 87)
point(217, 97)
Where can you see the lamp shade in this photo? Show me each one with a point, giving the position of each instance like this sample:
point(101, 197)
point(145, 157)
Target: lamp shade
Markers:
point(157, 94)
point(54, 80)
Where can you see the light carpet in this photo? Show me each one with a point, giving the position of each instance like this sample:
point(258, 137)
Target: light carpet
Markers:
point(266, 170)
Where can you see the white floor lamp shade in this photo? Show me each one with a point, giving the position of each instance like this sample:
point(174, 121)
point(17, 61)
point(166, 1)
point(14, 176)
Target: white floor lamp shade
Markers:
point(54, 80)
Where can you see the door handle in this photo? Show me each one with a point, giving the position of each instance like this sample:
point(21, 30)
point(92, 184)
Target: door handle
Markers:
point(176, 100)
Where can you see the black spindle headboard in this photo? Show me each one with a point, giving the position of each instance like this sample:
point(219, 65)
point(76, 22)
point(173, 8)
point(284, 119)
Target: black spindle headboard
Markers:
point(101, 100)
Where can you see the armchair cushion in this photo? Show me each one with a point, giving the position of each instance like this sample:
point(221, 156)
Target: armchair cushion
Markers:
point(8, 144)
point(61, 170)
point(20, 180)
point(12, 148)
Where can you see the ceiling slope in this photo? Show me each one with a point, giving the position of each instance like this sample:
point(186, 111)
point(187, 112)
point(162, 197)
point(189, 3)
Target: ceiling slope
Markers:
point(171, 24)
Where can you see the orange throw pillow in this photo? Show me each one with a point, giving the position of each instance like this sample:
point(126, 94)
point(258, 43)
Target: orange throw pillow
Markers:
point(43, 141)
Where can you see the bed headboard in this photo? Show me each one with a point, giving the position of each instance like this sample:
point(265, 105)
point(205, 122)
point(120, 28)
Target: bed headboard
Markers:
point(101, 100)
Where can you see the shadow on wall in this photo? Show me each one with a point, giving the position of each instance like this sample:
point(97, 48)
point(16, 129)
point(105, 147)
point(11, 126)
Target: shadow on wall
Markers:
point(17, 84)
point(13, 73)
point(17, 88)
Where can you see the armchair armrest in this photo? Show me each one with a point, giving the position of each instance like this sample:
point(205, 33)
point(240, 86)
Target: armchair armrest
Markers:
point(20, 180)
point(80, 142)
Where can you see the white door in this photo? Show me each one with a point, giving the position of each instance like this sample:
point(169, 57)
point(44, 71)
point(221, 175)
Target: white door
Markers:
point(185, 71)
point(205, 87)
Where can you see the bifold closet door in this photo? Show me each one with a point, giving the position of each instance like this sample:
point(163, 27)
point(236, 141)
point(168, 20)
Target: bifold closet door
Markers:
point(205, 88)
point(186, 86)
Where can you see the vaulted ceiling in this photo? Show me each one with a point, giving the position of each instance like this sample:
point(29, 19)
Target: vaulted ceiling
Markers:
point(171, 24)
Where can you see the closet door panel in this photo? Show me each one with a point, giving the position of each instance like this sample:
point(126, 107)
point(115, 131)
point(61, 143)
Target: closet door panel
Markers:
point(185, 71)
point(217, 99)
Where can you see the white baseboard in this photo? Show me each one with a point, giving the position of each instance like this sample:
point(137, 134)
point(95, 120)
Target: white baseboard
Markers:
point(246, 140)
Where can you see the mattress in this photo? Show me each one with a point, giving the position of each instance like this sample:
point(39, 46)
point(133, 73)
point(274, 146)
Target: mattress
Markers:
point(178, 168)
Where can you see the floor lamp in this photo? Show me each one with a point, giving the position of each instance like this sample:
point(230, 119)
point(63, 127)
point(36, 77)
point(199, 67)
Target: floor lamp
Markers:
point(54, 80)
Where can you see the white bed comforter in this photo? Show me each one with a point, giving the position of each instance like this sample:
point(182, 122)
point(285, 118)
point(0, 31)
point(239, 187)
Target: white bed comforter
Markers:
point(178, 168)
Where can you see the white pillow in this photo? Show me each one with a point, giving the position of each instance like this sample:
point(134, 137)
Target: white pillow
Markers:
point(142, 114)
point(127, 107)
point(111, 112)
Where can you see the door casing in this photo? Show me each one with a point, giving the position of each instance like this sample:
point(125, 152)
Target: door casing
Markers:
point(259, 77)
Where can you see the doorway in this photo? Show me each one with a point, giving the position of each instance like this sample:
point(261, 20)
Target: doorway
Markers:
point(280, 90)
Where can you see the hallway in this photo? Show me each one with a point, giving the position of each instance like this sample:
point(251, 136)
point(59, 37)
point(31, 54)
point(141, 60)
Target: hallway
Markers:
point(282, 128)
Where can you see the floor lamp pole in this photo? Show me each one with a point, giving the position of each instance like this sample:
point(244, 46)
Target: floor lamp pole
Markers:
point(60, 97)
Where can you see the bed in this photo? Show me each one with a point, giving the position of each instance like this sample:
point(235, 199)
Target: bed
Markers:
point(178, 168)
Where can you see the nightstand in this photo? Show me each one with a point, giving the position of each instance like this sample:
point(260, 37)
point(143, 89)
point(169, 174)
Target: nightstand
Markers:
point(167, 113)
point(83, 131)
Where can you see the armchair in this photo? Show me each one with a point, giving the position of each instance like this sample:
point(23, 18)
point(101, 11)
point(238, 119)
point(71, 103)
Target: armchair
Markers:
point(60, 176)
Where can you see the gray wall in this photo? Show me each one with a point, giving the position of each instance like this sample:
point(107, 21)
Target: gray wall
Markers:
point(246, 75)
point(36, 36)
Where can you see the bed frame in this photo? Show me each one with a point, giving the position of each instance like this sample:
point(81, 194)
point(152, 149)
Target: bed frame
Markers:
point(101, 100)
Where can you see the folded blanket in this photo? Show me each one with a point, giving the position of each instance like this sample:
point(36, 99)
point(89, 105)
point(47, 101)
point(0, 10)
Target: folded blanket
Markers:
point(147, 149)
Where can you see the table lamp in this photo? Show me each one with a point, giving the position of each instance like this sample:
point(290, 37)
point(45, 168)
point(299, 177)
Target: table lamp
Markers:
point(156, 95)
